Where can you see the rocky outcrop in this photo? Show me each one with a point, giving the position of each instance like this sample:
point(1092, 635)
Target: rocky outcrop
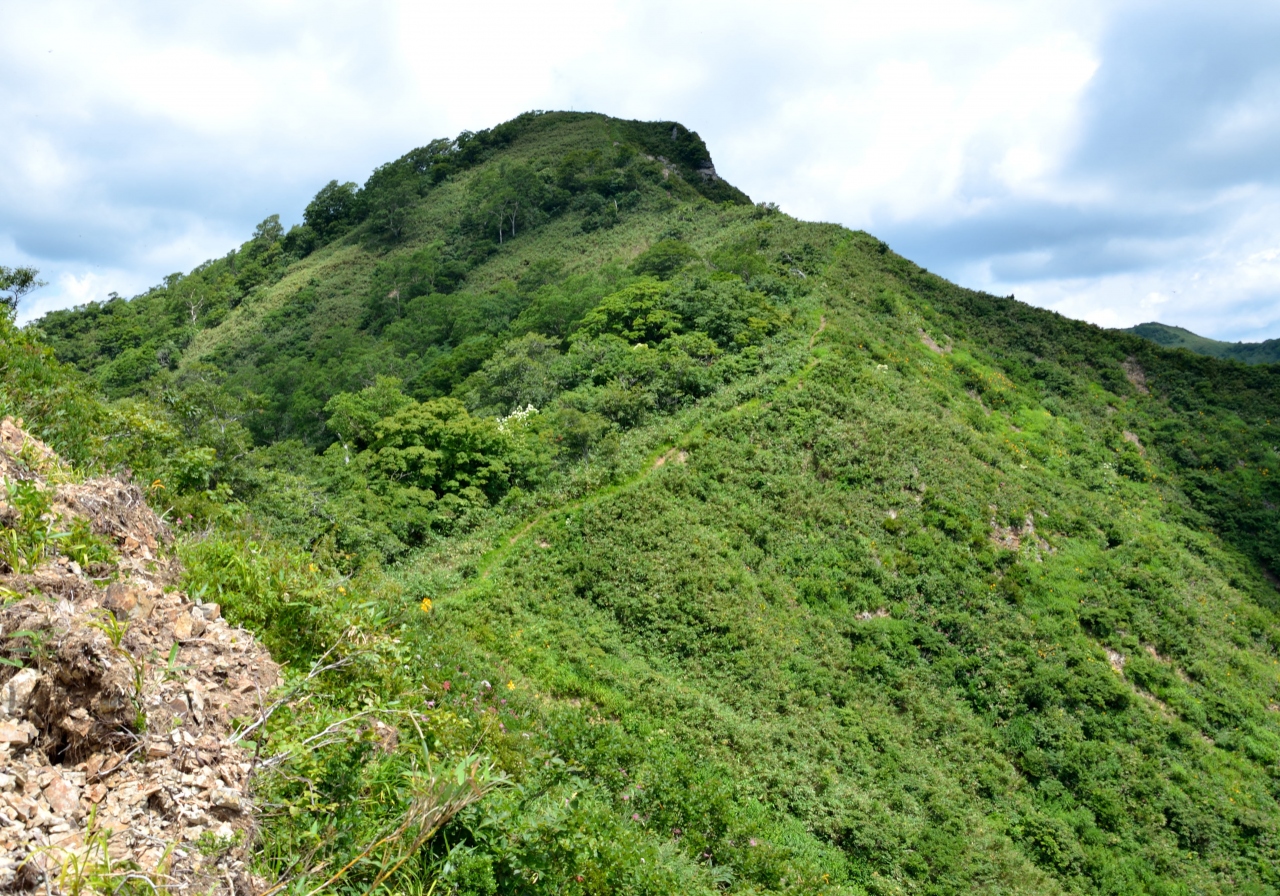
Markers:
point(119, 701)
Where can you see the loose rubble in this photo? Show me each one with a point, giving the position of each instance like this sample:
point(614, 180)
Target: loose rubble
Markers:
point(119, 698)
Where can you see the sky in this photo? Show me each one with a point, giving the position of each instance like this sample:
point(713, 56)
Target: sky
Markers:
point(1116, 161)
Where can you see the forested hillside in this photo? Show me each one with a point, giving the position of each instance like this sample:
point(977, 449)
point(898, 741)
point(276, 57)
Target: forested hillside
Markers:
point(716, 549)
point(1266, 352)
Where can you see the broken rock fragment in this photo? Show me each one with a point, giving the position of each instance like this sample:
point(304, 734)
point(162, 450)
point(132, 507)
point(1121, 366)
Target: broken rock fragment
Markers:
point(15, 699)
point(226, 798)
point(63, 798)
point(15, 733)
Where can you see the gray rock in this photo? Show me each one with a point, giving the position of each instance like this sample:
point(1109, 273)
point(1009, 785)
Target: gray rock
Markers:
point(15, 699)
point(225, 798)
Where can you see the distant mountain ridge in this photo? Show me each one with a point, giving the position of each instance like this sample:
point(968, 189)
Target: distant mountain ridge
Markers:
point(1267, 352)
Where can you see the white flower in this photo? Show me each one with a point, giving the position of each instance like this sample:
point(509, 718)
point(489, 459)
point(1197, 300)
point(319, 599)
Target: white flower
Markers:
point(517, 417)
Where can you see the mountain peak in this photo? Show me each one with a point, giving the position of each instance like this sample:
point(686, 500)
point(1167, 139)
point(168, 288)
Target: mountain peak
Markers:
point(681, 150)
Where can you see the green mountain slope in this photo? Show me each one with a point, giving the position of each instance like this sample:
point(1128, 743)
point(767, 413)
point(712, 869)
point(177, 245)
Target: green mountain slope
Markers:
point(1266, 352)
point(755, 556)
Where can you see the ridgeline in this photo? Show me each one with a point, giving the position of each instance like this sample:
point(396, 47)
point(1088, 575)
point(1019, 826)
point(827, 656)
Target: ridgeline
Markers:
point(712, 549)
point(1265, 352)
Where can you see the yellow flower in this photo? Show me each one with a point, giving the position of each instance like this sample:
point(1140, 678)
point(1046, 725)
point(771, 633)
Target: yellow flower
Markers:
point(511, 685)
point(342, 590)
point(425, 605)
point(157, 485)
point(312, 567)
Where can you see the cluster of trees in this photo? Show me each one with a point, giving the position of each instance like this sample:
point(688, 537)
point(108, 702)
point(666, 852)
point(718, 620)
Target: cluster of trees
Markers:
point(595, 356)
point(508, 196)
point(646, 348)
point(127, 343)
point(411, 466)
point(393, 189)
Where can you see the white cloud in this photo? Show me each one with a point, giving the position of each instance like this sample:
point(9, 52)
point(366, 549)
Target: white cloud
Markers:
point(144, 138)
point(1224, 285)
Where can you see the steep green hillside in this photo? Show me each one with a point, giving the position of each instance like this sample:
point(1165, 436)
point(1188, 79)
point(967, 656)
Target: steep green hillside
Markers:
point(1266, 352)
point(752, 555)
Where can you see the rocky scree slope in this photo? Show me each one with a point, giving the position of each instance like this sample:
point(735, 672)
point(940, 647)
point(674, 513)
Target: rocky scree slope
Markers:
point(118, 759)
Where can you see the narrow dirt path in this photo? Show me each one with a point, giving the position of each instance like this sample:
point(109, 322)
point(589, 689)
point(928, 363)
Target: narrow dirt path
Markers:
point(822, 325)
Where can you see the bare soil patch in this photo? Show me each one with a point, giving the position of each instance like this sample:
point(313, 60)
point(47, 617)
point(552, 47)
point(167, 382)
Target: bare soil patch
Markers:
point(1136, 376)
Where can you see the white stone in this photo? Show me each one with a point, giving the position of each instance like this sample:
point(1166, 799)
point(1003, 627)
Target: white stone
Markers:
point(16, 696)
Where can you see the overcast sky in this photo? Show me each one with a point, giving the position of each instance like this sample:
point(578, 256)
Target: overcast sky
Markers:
point(1116, 161)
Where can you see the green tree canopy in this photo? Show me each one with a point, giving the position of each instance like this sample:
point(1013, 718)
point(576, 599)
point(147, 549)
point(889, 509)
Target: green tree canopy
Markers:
point(388, 195)
point(639, 313)
point(333, 210)
point(437, 446)
point(352, 416)
point(664, 259)
point(16, 283)
point(519, 374)
point(506, 197)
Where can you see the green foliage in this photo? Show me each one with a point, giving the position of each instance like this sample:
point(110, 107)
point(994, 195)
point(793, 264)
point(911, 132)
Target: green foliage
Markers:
point(56, 404)
point(522, 373)
point(16, 283)
point(333, 210)
point(638, 313)
point(506, 196)
point(259, 260)
point(353, 416)
point(437, 446)
point(84, 546)
point(555, 307)
point(133, 346)
point(664, 259)
point(94, 870)
point(404, 278)
point(263, 585)
point(28, 534)
point(722, 309)
point(400, 470)
point(686, 151)
point(387, 198)
point(31, 532)
point(1265, 352)
point(794, 569)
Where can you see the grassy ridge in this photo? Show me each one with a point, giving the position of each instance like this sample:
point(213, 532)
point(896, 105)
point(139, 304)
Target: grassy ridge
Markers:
point(900, 684)
point(1266, 352)
point(904, 588)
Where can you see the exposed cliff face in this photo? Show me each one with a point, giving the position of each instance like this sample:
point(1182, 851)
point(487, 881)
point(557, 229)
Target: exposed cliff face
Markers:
point(117, 700)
